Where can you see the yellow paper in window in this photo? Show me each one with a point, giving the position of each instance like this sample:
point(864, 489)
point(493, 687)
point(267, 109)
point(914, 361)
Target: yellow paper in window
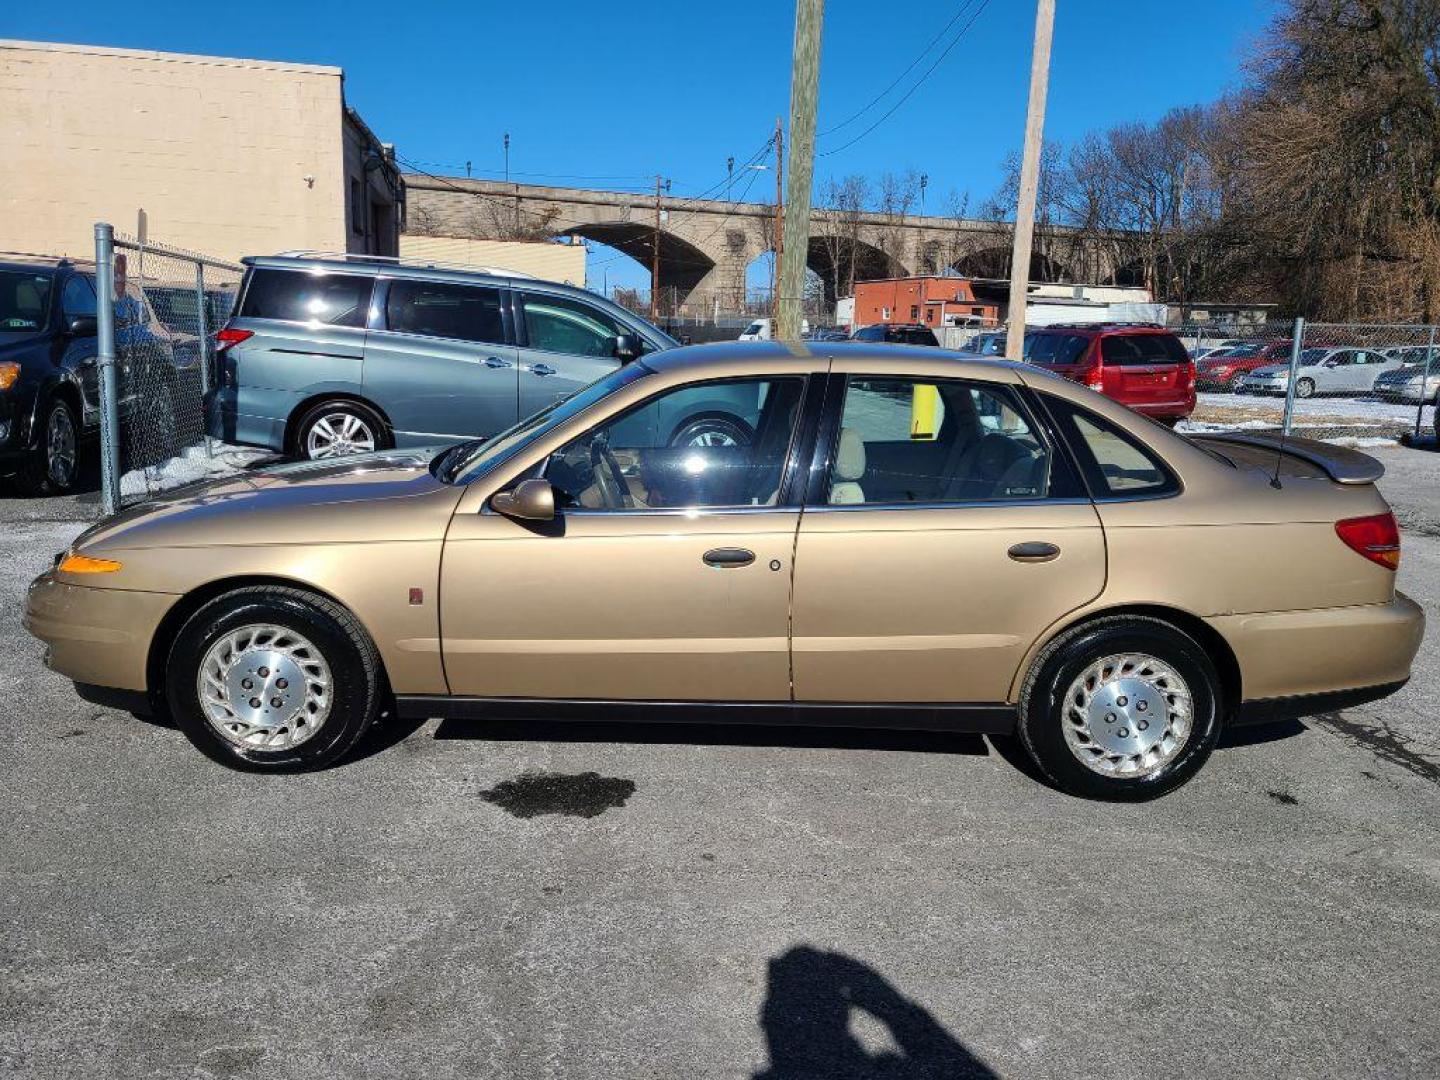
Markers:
point(924, 412)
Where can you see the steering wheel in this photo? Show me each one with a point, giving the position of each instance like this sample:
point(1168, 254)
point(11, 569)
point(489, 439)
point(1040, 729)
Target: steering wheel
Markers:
point(608, 475)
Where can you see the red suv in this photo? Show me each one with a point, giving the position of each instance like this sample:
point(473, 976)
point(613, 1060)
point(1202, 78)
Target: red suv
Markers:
point(1143, 366)
point(1226, 369)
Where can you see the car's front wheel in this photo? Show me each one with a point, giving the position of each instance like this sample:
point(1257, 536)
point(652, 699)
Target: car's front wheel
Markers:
point(1124, 708)
point(52, 467)
point(274, 679)
point(1305, 388)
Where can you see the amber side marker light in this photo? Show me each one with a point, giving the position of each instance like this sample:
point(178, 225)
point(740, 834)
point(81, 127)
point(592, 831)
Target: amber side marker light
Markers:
point(9, 373)
point(84, 564)
point(1377, 537)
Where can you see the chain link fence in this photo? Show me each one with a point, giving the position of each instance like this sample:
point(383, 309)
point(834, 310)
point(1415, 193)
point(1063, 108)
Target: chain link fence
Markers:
point(167, 304)
point(1364, 384)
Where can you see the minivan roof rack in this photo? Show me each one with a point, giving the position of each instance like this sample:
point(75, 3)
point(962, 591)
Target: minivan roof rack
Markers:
point(1107, 323)
point(400, 260)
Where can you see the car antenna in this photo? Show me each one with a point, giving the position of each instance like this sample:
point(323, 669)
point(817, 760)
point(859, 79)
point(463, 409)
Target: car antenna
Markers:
point(1296, 347)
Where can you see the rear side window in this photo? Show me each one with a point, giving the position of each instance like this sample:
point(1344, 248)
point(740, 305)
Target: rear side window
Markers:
point(1133, 350)
point(301, 296)
point(1114, 463)
point(1053, 349)
point(435, 309)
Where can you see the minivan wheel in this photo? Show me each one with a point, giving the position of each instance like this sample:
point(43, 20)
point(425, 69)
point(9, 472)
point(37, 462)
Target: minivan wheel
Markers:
point(339, 429)
point(712, 430)
point(1124, 708)
point(52, 466)
point(273, 679)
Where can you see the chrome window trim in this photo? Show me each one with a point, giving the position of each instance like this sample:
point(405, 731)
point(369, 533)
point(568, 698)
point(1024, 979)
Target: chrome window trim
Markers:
point(972, 504)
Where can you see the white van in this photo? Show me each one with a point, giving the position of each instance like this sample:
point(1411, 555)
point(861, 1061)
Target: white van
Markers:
point(764, 330)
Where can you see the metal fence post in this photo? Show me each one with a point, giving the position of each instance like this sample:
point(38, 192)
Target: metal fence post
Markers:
point(202, 320)
point(105, 362)
point(1424, 382)
point(1297, 346)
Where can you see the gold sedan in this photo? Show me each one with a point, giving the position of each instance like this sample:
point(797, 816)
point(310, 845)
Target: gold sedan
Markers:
point(845, 535)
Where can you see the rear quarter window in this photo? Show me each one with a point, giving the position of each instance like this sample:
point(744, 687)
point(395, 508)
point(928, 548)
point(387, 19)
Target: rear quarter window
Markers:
point(1135, 350)
point(302, 296)
point(1055, 349)
point(1114, 463)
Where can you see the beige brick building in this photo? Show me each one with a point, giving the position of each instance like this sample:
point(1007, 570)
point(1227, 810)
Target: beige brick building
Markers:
point(224, 156)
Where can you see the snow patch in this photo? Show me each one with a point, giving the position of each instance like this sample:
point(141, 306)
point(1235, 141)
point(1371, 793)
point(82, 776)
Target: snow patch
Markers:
point(191, 464)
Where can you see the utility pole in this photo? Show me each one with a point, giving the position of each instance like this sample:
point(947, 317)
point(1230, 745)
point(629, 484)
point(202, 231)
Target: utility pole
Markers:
point(1029, 179)
point(804, 94)
point(778, 240)
point(655, 258)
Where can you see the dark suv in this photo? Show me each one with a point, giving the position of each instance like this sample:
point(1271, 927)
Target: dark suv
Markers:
point(896, 334)
point(49, 386)
point(1141, 365)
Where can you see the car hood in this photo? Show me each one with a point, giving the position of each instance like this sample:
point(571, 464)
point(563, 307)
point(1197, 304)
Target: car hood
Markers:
point(388, 495)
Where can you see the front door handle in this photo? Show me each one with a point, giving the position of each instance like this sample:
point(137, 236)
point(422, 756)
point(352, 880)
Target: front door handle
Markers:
point(496, 362)
point(541, 369)
point(1034, 551)
point(724, 557)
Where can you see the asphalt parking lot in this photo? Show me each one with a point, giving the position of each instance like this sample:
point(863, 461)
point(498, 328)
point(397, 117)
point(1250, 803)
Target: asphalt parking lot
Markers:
point(548, 900)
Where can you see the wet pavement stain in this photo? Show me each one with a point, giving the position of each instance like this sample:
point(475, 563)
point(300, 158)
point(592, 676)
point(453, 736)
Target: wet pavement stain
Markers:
point(1385, 744)
point(1283, 797)
point(534, 794)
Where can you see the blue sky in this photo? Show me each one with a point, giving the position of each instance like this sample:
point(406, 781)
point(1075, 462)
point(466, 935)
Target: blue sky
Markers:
point(621, 91)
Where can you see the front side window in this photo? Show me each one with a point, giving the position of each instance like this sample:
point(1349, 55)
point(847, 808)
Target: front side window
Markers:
point(934, 441)
point(24, 301)
point(559, 324)
point(78, 298)
point(301, 296)
point(1114, 463)
point(706, 446)
point(436, 309)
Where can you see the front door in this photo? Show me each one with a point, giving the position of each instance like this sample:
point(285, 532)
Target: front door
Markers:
point(437, 362)
point(565, 344)
point(947, 536)
point(666, 576)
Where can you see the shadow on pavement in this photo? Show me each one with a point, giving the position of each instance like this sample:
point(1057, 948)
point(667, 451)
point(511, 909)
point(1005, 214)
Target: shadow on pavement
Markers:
point(583, 731)
point(807, 1020)
point(1255, 734)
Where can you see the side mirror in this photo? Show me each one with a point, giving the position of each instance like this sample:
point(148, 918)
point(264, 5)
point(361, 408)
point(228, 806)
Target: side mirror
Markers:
point(529, 500)
point(83, 326)
point(627, 347)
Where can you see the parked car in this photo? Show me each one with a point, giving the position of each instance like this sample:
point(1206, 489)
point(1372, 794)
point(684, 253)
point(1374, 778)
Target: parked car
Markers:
point(1323, 371)
point(1013, 577)
point(827, 333)
point(897, 334)
point(991, 343)
point(1415, 381)
point(1209, 348)
point(49, 384)
point(764, 330)
point(1225, 369)
point(1139, 365)
point(334, 355)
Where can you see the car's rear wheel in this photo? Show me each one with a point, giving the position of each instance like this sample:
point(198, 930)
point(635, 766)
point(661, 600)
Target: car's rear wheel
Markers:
point(339, 429)
point(52, 467)
point(274, 679)
point(1305, 388)
point(1124, 708)
point(712, 429)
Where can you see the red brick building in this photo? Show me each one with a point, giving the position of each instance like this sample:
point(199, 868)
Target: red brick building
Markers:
point(933, 301)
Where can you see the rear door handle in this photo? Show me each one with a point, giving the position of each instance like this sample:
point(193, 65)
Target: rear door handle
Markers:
point(541, 369)
point(1034, 551)
point(729, 557)
point(496, 362)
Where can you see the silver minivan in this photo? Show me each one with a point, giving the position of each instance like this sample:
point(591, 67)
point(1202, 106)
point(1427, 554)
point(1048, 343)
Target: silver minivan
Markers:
point(331, 354)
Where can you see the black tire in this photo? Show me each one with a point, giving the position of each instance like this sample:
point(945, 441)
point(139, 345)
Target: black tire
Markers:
point(372, 421)
point(1061, 662)
point(359, 688)
point(43, 470)
point(1305, 388)
point(707, 426)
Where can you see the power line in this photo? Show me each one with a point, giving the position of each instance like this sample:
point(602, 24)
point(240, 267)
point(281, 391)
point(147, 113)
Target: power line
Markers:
point(920, 82)
point(898, 78)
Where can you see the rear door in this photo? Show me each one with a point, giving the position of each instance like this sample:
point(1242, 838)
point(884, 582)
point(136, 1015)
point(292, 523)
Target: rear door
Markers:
point(564, 344)
point(438, 360)
point(1144, 369)
point(1065, 354)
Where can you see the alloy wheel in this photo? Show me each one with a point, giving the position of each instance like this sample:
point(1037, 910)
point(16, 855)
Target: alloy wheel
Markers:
point(60, 447)
point(339, 434)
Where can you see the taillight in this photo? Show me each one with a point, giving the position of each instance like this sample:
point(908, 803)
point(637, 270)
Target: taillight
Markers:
point(228, 338)
point(1377, 537)
point(1093, 379)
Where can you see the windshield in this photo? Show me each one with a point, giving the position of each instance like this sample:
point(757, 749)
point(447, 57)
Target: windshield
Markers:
point(465, 462)
point(24, 301)
point(754, 328)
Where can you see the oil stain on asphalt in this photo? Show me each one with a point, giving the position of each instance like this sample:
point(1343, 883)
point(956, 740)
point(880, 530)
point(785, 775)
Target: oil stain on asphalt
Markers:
point(534, 794)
